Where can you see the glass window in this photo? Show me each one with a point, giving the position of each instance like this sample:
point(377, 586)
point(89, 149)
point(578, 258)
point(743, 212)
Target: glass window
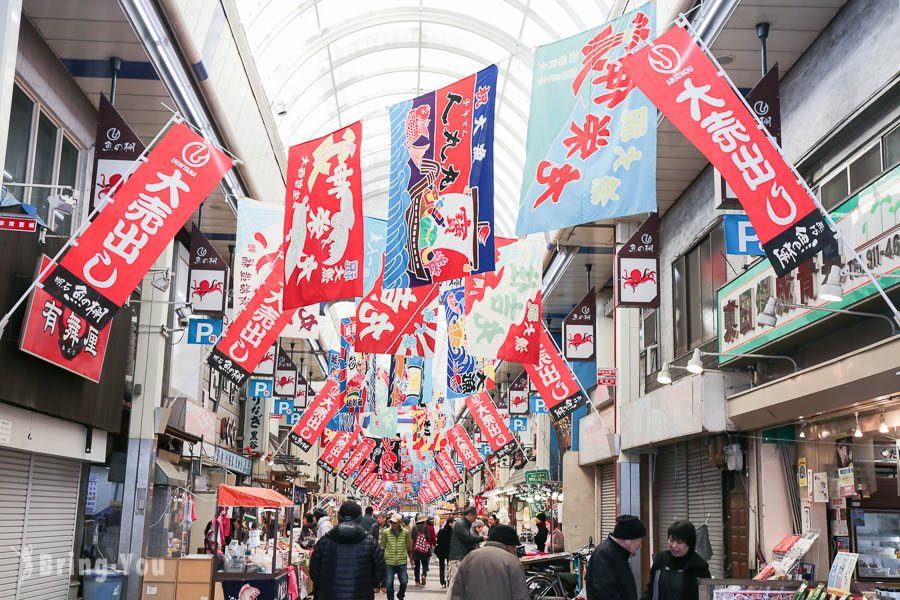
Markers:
point(68, 175)
point(44, 155)
point(18, 141)
point(835, 190)
point(679, 284)
point(694, 294)
point(891, 144)
point(696, 278)
point(866, 168)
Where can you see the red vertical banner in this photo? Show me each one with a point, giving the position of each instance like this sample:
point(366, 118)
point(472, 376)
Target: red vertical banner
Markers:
point(335, 451)
point(447, 465)
point(326, 404)
point(360, 455)
point(323, 219)
point(466, 449)
point(438, 478)
point(492, 424)
point(254, 331)
point(689, 89)
point(108, 261)
point(553, 380)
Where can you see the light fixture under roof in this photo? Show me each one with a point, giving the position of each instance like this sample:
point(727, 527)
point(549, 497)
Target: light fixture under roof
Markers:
point(883, 428)
point(832, 289)
point(695, 365)
point(858, 432)
point(664, 376)
point(725, 59)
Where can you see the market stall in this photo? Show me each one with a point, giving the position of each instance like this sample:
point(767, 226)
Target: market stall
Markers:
point(258, 559)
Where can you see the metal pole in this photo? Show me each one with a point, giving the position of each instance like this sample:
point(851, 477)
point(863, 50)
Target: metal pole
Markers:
point(762, 30)
point(116, 63)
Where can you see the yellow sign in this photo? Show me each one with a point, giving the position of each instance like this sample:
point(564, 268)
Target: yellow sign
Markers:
point(801, 471)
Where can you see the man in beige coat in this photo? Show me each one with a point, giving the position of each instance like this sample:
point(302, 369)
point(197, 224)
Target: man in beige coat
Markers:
point(493, 572)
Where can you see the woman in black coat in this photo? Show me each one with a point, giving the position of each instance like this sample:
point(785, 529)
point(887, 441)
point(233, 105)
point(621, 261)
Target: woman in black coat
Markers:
point(675, 572)
point(442, 549)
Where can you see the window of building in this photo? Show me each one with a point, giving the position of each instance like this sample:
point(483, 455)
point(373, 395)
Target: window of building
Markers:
point(649, 338)
point(890, 144)
point(40, 154)
point(696, 276)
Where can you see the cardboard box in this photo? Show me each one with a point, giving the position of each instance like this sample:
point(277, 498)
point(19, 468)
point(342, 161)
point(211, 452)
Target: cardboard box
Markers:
point(193, 591)
point(161, 570)
point(195, 570)
point(155, 590)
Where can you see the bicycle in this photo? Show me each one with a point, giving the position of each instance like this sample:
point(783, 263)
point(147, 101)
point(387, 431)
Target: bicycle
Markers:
point(552, 581)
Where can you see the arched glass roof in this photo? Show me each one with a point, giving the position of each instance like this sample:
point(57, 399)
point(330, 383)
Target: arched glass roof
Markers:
point(332, 62)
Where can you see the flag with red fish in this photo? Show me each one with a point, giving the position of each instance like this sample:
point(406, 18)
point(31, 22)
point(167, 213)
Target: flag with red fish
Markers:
point(441, 199)
point(503, 308)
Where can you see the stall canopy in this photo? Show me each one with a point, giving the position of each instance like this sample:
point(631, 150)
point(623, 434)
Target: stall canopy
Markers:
point(230, 495)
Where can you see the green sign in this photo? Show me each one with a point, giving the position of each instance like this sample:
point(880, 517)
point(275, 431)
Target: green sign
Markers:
point(869, 220)
point(538, 476)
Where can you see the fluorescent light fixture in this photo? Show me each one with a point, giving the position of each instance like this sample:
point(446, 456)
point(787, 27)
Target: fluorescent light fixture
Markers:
point(832, 289)
point(695, 365)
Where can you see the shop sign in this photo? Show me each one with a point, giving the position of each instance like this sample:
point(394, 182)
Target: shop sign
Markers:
point(116, 147)
point(518, 424)
point(870, 221)
point(54, 333)
point(228, 429)
point(606, 377)
point(99, 272)
point(537, 476)
point(579, 329)
point(208, 276)
point(326, 404)
point(199, 421)
point(802, 472)
point(551, 376)
point(204, 331)
point(689, 89)
point(13, 223)
point(538, 406)
point(465, 448)
point(261, 388)
point(740, 237)
point(637, 267)
point(518, 395)
point(491, 423)
point(284, 409)
point(253, 425)
point(232, 461)
point(285, 376)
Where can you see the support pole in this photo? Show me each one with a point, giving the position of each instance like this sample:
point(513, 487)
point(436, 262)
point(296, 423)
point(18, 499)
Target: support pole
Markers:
point(116, 63)
point(762, 30)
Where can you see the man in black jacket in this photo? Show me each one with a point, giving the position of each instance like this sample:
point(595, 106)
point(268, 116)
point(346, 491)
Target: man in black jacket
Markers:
point(347, 564)
point(608, 575)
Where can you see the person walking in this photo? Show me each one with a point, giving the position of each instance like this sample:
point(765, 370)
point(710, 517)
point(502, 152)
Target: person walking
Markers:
point(323, 523)
point(493, 521)
point(540, 538)
point(674, 573)
point(347, 564)
point(442, 549)
point(608, 574)
point(375, 529)
point(423, 542)
point(492, 572)
point(396, 543)
point(368, 519)
point(462, 542)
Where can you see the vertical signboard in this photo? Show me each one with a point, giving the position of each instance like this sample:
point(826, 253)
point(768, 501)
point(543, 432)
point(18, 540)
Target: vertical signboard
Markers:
point(637, 272)
point(579, 330)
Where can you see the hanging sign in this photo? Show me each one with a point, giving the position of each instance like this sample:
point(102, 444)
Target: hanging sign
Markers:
point(253, 332)
point(360, 455)
point(637, 278)
point(740, 237)
point(579, 329)
point(518, 395)
point(697, 98)
point(438, 478)
point(255, 423)
point(447, 465)
point(266, 365)
point(99, 272)
point(441, 203)
point(553, 380)
point(606, 377)
point(54, 333)
point(285, 375)
point(463, 375)
point(397, 321)
point(503, 308)
point(466, 449)
point(326, 404)
point(16, 223)
point(335, 451)
point(591, 155)
point(492, 425)
point(323, 222)
point(765, 102)
point(389, 464)
point(116, 147)
point(208, 276)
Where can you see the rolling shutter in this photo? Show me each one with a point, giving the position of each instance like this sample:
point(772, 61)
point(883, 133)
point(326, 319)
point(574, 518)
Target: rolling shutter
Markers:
point(42, 492)
point(607, 499)
point(689, 487)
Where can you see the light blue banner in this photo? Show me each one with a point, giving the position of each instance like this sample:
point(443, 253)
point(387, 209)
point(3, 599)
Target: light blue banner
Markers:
point(591, 149)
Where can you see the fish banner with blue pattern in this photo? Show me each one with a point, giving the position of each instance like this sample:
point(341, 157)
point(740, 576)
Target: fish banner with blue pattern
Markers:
point(591, 149)
point(441, 197)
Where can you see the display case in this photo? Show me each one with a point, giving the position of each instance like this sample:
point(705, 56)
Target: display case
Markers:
point(875, 535)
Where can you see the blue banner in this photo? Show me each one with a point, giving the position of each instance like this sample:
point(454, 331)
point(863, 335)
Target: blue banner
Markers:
point(591, 149)
point(441, 194)
point(740, 237)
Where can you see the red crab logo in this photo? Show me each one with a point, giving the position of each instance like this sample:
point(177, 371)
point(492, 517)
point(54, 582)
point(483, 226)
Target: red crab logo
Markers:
point(579, 339)
point(284, 381)
point(636, 278)
point(203, 287)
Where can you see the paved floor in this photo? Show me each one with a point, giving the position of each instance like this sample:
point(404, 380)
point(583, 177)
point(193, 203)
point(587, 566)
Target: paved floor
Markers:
point(431, 591)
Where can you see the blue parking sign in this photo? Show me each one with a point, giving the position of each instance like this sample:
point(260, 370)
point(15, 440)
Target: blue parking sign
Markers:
point(204, 331)
point(537, 405)
point(260, 388)
point(740, 237)
point(518, 424)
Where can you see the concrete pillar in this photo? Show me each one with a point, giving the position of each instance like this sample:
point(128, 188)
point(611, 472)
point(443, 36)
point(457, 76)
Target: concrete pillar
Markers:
point(10, 19)
point(141, 462)
point(580, 504)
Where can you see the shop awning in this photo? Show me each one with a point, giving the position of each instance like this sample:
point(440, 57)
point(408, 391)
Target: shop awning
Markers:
point(230, 495)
